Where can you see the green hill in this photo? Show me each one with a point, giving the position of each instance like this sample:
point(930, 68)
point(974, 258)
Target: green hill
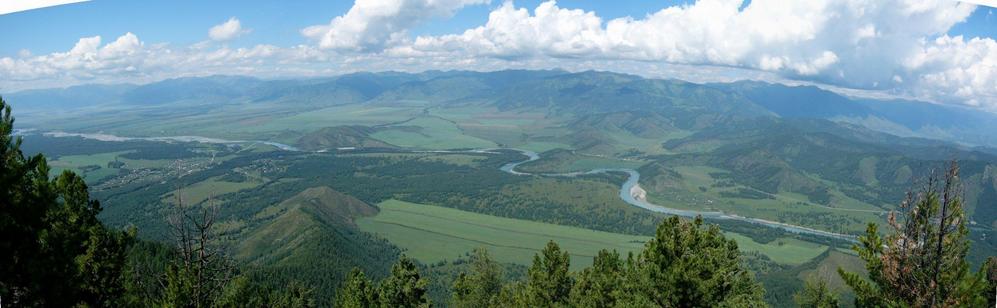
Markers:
point(338, 137)
point(311, 237)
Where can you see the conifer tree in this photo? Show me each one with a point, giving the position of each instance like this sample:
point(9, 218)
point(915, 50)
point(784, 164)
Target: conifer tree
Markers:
point(816, 294)
point(600, 284)
point(687, 265)
point(356, 292)
point(482, 286)
point(989, 271)
point(55, 250)
point(549, 283)
point(921, 262)
point(404, 288)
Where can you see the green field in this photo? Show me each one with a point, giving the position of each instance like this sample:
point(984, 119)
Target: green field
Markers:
point(75, 162)
point(431, 233)
point(430, 133)
point(340, 115)
point(210, 188)
point(789, 251)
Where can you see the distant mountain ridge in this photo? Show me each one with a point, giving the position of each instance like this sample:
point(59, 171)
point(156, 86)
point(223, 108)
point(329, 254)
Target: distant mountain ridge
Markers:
point(687, 105)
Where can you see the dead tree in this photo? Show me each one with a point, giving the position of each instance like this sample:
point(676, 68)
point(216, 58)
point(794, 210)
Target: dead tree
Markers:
point(201, 261)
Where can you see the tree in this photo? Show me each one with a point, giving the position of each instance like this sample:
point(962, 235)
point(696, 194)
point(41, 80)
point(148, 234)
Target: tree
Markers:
point(201, 270)
point(404, 288)
point(295, 295)
point(549, 282)
point(56, 251)
point(482, 286)
point(686, 265)
point(921, 263)
point(599, 285)
point(357, 291)
point(815, 294)
point(989, 271)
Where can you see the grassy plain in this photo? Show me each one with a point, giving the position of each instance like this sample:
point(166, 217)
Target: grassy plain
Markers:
point(430, 133)
point(210, 188)
point(76, 162)
point(789, 251)
point(431, 233)
point(828, 268)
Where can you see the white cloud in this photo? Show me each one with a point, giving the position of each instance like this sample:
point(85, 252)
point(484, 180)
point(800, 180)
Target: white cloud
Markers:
point(7, 7)
point(371, 25)
point(226, 31)
point(860, 44)
point(896, 47)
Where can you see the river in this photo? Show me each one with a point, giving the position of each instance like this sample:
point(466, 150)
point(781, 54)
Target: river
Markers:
point(630, 190)
point(199, 139)
point(633, 194)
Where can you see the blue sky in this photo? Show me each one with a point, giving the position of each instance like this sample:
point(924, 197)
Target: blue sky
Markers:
point(276, 22)
point(272, 22)
point(936, 50)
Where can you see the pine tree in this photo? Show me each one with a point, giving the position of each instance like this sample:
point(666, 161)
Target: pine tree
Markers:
point(687, 265)
point(921, 263)
point(295, 295)
point(55, 250)
point(404, 288)
point(599, 285)
point(482, 286)
point(356, 292)
point(549, 283)
point(242, 292)
point(989, 271)
point(816, 294)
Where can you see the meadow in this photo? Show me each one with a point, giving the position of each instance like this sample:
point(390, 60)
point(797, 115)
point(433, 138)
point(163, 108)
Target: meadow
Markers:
point(210, 188)
point(432, 234)
point(430, 133)
point(789, 251)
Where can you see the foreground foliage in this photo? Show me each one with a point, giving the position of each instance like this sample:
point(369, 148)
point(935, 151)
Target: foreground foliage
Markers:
point(922, 261)
point(55, 250)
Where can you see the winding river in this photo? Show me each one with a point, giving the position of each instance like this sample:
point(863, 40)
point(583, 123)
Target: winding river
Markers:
point(632, 193)
point(630, 190)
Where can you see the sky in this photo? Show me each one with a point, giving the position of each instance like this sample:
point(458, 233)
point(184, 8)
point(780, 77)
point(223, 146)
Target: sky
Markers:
point(942, 51)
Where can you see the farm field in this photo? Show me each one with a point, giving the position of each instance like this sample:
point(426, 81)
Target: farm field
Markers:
point(430, 133)
point(431, 233)
point(339, 115)
point(83, 165)
point(788, 251)
point(210, 188)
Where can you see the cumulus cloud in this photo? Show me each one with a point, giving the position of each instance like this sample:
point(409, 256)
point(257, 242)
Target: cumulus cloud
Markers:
point(860, 44)
point(128, 59)
point(226, 31)
point(371, 25)
point(891, 47)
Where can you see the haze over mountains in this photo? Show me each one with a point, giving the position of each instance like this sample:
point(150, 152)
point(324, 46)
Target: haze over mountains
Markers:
point(592, 91)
